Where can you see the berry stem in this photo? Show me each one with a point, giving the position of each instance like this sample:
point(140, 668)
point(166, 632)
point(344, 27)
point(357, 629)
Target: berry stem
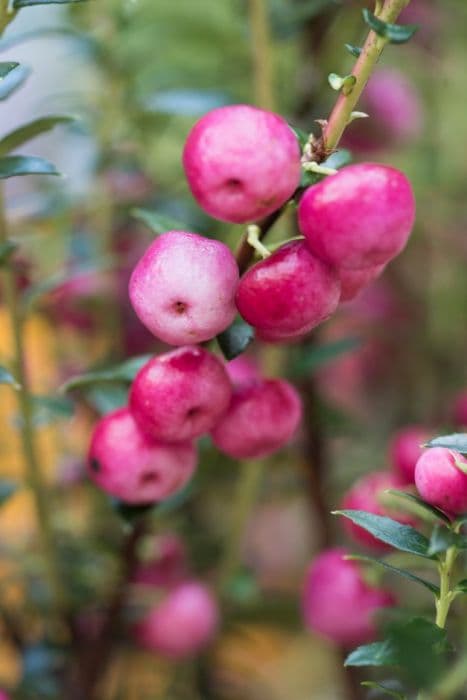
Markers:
point(446, 595)
point(33, 472)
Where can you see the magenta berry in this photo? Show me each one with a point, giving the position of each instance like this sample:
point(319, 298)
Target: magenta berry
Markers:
point(358, 218)
point(180, 395)
point(440, 481)
point(289, 292)
point(261, 419)
point(355, 281)
point(405, 449)
point(183, 288)
point(125, 464)
point(243, 370)
point(182, 624)
point(242, 163)
point(366, 494)
point(338, 603)
point(167, 568)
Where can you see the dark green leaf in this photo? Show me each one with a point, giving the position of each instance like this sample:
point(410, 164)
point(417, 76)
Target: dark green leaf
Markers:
point(384, 689)
point(7, 490)
point(420, 507)
point(13, 80)
point(354, 50)
point(7, 378)
point(235, 339)
point(402, 537)
point(122, 373)
point(6, 67)
point(400, 572)
point(159, 223)
point(106, 397)
point(6, 250)
point(395, 33)
point(456, 441)
point(314, 356)
point(29, 131)
point(375, 654)
point(17, 4)
point(11, 166)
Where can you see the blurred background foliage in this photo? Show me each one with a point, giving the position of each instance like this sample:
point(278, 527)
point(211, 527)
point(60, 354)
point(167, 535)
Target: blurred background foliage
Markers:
point(138, 73)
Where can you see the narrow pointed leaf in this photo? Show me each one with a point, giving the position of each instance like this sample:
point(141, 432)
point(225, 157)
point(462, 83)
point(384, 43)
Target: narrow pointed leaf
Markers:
point(402, 537)
point(429, 512)
point(159, 223)
point(395, 33)
point(384, 689)
point(12, 166)
point(122, 373)
point(395, 570)
point(235, 339)
point(456, 441)
point(375, 654)
point(13, 80)
point(29, 131)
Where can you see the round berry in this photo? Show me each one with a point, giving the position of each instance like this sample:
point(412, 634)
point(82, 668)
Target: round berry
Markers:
point(180, 395)
point(366, 494)
point(242, 163)
point(125, 464)
point(261, 419)
point(355, 281)
point(440, 481)
point(243, 370)
point(360, 217)
point(182, 624)
point(289, 292)
point(183, 288)
point(337, 603)
point(405, 449)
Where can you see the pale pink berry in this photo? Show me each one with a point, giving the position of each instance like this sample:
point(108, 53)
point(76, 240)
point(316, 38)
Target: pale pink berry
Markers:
point(125, 464)
point(288, 293)
point(182, 624)
point(358, 218)
point(337, 603)
point(181, 394)
point(405, 449)
point(440, 481)
point(167, 568)
point(460, 409)
point(183, 288)
point(243, 370)
point(261, 419)
point(367, 494)
point(355, 281)
point(242, 163)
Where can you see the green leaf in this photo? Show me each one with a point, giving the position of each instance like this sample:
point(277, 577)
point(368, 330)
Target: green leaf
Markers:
point(395, 33)
point(6, 250)
point(159, 223)
point(17, 4)
point(421, 508)
point(302, 136)
point(442, 538)
point(7, 490)
point(6, 67)
point(384, 689)
point(50, 408)
point(338, 159)
point(314, 356)
point(7, 378)
point(354, 50)
point(106, 397)
point(13, 80)
point(375, 654)
point(402, 537)
point(235, 339)
point(395, 570)
point(29, 131)
point(121, 373)
point(456, 441)
point(11, 166)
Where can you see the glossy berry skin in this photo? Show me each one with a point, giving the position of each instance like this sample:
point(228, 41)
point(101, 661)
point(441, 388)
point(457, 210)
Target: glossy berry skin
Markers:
point(183, 288)
point(241, 163)
point(405, 450)
point(355, 281)
point(440, 482)
point(337, 603)
point(366, 494)
point(289, 292)
point(180, 395)
point(182, 624)
point(360, 217)
point(261, 419)
point(128, 466)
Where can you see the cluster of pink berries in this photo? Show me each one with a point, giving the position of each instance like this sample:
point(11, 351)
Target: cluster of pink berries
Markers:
point(242, 164)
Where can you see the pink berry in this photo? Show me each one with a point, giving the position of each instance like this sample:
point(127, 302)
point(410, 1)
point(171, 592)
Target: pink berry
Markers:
point(288, 293)
point(358, 218)
point(125, 464)
point(261, 419)
point(366, 494)
point(243, 370)
point(183, 288)
point(460, 409)
point(182, 624)
point(3, 695)
point(338, 603)
point(405, 449)
point(354, 281)
point(167, 568)
point(180, 395)
point(242, 163)
point(440, 481)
